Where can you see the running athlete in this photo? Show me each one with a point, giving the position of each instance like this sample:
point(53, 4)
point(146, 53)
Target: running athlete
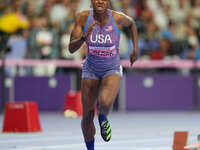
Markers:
point(101, 72)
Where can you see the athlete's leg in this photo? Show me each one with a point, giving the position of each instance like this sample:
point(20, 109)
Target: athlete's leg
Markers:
point(90, 89)
point(108, 92)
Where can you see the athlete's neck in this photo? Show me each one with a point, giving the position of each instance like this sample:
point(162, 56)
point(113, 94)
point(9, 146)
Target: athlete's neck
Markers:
point(101, 17)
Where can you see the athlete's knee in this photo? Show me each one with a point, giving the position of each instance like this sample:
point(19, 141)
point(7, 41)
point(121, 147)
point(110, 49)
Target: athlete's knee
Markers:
point(105, 102)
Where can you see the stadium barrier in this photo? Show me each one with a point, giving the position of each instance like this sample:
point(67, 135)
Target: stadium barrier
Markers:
point(143, 64)
point(151, 91)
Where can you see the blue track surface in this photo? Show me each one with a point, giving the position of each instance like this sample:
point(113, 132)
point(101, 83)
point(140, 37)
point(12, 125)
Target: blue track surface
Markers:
point(131, 131)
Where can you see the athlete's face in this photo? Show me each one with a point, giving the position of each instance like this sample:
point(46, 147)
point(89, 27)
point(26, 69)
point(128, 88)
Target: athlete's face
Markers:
point(100, 5)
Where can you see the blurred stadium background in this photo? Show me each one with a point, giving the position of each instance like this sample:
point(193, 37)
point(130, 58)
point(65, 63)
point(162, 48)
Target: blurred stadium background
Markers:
point(165, 76)
point(36, 65)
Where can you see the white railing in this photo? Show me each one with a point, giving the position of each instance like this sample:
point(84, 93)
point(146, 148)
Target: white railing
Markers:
point(146, 64)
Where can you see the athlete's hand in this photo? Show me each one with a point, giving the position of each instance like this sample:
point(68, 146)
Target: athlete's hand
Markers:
point(133, 57)
point(89, 30)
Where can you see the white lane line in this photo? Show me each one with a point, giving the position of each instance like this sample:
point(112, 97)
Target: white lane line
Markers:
point(114, 145)
point(80, 146)
point(75, 138)
point(134, 148)
point(48, 147)
point(30, 139)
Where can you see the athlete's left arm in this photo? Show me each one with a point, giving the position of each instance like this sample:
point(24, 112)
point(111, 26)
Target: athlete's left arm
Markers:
point(127, 22)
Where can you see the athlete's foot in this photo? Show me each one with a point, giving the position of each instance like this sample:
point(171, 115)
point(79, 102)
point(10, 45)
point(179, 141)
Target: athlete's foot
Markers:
point(106, 131)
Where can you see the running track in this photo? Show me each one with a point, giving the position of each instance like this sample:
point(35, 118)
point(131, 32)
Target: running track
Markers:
point(131, 131)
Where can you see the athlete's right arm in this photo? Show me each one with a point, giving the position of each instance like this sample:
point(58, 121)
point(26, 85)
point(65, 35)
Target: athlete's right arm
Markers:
point(77, 38)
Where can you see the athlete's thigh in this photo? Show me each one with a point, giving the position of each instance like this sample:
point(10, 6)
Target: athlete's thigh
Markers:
point(109, 88)
point(90, 89)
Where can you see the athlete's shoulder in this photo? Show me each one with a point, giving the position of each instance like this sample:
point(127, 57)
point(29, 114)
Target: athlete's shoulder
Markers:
point(122, 20)
point(120, 15)
point(82, 16)
point(84, 13)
